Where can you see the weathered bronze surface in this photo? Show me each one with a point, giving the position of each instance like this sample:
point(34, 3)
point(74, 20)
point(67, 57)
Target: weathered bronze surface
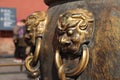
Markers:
point(74, 30)
point(35, 27)
point(104, 43)
point(77, 70)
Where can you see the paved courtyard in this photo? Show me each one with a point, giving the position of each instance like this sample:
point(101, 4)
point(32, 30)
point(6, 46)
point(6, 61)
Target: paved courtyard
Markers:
point(12, 72)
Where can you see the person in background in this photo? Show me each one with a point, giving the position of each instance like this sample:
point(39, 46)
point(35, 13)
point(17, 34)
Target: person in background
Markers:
point(19, 41)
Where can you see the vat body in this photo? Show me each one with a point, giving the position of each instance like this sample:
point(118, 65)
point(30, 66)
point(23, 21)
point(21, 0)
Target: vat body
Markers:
point(104, 63)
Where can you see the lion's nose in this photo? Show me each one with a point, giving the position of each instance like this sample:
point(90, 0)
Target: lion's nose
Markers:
point(65, 41)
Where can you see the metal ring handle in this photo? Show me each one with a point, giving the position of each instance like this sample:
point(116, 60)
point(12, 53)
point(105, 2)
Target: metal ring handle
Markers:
point(31, 61)
point(28, 66)
point(37, 52)
point(77, 70)
point(82, 64)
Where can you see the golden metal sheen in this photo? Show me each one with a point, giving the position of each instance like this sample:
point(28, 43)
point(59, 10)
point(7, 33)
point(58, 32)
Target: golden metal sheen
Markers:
point(33, 59)
point(35, 28)
point(35, 25)
point(74, 32)
point(74, 29)
point(77, 70)
point(82, 64)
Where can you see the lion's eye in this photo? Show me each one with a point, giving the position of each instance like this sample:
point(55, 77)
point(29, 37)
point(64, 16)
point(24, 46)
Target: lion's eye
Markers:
point(70, 32)
point(60, 32)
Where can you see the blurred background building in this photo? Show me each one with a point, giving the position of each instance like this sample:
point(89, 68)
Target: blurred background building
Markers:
point(12, 11)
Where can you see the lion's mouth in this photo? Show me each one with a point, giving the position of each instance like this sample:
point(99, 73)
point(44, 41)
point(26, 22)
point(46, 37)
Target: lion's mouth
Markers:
point(72, 50)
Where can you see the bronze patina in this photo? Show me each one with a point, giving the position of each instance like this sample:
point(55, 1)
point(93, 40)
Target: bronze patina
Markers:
point(74, 30)
point(81, 41)
point(35, 28)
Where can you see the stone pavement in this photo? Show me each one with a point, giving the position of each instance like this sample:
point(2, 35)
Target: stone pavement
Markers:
point(12, 72)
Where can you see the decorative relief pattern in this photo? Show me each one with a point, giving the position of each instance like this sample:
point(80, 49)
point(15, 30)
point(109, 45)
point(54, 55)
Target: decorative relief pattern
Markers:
point(35, 28)
point(74, 31)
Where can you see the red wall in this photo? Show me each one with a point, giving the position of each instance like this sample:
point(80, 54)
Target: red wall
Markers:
point(24, 7)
